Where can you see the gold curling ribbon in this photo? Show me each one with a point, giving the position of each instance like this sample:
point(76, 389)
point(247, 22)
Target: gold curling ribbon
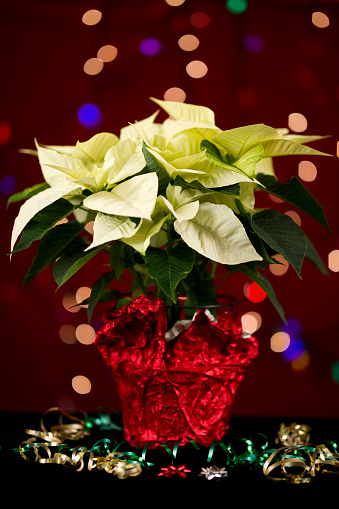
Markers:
point(295, 439)
point(294, 434)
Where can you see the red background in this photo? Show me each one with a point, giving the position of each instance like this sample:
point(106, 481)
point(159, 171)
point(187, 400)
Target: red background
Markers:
point(44, 47)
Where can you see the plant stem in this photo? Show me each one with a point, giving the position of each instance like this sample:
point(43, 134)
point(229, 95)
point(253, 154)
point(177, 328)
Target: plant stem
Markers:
point(137, 278)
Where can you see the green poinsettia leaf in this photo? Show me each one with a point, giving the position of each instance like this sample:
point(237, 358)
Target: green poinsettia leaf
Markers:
point(239, 140)
point(233, 190)
point(121, 258)
point(294, 192)
point(282, 234)
point(43, 221)
point(250, 270)
point(313, 256)
point(212, 153)
point(73, 260)
point(27, 193)
point(152, 165)
point(52, 246)
point(98, 291)
point(169, 267)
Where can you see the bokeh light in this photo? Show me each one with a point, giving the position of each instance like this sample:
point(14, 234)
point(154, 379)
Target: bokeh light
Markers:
point(295, 349)
point(280, 341)
point(292, 327)
point(196, 69)
point(246, 97)
point(89, 115)
point(253, 43)
point(333, 260)
point(82, 294)
point(294, 215)
point(251, 322)
point(175, 3)
point(81, 384)
point(62, 221)
point(275, 198)
point(254, 292)
point(5, 133)
point(188, 42)
point(200, 19)
point(150, 47)
point(175, 94)
point(297, 122)
point(335, 372)
point(320, 20)
point(70, 303)
point(307, 171)
point(277, 269)
point(302, 362)
point(93, 66)
point(92, 17)
point(89, 227)
point(85, 334)
point(237, 6)
point(7, 185)
point(67, 334)
point(107, 53)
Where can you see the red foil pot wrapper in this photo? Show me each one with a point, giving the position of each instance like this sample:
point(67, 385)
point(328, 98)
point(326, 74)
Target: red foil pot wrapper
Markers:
point(180, 388)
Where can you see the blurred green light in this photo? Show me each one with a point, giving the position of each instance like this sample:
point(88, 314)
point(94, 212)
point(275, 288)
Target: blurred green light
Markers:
point(236, 6)
point(335, 372)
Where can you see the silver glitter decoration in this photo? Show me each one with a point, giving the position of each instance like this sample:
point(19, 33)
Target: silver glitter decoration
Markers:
point(214, 473)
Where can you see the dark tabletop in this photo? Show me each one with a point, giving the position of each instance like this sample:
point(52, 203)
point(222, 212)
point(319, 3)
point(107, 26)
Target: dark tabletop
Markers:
point(244, 480)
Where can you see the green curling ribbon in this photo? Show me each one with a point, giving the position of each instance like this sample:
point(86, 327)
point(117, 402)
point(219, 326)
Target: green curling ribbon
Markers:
point(212, 448)
point(143, 454)
point(177, 443)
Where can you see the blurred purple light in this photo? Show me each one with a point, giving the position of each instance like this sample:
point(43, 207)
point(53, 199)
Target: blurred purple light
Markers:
point(7, 184)
point(294, 351)
point(150, 47)
point(253, 43)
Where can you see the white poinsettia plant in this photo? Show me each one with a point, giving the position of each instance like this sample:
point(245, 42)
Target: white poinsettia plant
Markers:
point(169, 203)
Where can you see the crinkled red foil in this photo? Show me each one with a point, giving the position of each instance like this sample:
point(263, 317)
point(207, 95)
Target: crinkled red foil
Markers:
point(182, 388)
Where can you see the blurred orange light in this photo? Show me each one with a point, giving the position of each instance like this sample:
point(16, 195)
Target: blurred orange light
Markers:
point(107, 53)
point(175, 94)
point(275, 198)
point(196, 69)
point(85, 334)
point(333, 260)
point(301, 362)
point(70, 303)
point(297, 122)
point(295, 216)
point(92, 17)
point(67, 334)
point(81, 384)
point(188, 42)
point(279, 270)
point(89, 227)
point(93, 66)
point(82, 294)
point(251, 322)
point(320, 20)
point(307, 171)
point(280, 341)
point(175, 3)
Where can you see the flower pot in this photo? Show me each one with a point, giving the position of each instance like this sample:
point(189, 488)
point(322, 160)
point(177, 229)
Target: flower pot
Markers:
point(179, 388)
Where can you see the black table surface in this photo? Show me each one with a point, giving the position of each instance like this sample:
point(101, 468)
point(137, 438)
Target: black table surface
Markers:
point(244, 482)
